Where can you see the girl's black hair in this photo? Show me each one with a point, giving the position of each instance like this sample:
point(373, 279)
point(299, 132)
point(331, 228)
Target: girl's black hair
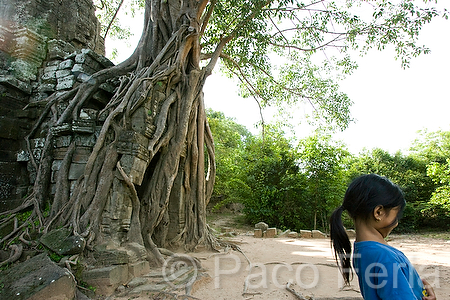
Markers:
point(363, 195)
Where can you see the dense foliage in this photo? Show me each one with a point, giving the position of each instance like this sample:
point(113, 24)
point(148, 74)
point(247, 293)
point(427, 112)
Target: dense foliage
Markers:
point(297, 184)
point(274, 186)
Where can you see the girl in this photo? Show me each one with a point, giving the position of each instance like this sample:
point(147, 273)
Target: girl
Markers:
point(375, 204)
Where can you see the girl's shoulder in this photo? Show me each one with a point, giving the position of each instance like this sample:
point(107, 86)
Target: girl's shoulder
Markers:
point(376, 249)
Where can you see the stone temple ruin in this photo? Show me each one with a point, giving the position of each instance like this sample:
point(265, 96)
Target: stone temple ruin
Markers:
point(46, 47)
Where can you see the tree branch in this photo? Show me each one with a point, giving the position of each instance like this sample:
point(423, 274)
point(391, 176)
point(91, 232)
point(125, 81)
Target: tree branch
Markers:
point(113, 18)
point(219, 48)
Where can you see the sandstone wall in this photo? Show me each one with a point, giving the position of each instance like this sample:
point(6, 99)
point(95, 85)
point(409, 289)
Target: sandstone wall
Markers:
point(46, 46)
point(67, 20)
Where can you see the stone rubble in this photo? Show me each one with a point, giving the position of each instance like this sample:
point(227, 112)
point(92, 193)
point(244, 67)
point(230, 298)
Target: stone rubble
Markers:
point(262, 230)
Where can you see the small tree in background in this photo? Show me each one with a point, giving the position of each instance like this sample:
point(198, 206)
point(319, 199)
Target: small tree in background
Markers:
point(272, 177)
point(230, 139)
point(322, 162)
point(434, 149)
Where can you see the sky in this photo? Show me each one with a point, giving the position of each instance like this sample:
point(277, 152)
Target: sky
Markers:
point(391, 104)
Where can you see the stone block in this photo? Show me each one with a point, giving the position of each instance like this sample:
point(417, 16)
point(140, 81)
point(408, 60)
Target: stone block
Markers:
point(58, 49)
point(37, 143)
point(133, 143)
point(106, 279)
point(134, 167)
point(139, 268)
point(136, 252)
point(100, 96)
point(261, 225)
point(15, 83)
point(271, 232)
point(107, 257)
point(89, 114)
point(117, 274)
point(56, 165)
point(63, 73)
point(49, 77)
point(83, 126)
point(62, 242)
point(82, 58)
point(47, 87)
point(81, 155)
point(65, 83)
point(317, 234)
point(107, 87)
point(307, 234)
point(7, 39)
point(54, 63)
point(37, 278)
point(105, 62)
point(82, 76)
point(59, 153)
point(23, 70)
point(63, 141)
point(292, 235)
point(66, 64)
point(87, 61)
point(51, 68)
point(83, 69)
point(257, 233)
point(351, 233)
point(61, 107)
point(85, 140)
point(37, 153)
point(30, 46)
point(75, 171)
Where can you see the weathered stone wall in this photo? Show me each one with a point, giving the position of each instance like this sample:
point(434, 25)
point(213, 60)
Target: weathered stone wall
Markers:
point(62, 70)
point(45, 47)
point(67, 20)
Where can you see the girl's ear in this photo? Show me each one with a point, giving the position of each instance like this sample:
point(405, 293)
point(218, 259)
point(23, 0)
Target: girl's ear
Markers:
point(379, 212)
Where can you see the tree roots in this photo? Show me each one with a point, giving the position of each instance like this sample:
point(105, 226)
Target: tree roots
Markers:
point(163, 91)
point(16, 252)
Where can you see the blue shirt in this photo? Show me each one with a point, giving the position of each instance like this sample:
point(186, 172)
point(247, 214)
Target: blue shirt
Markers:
point(385, 273)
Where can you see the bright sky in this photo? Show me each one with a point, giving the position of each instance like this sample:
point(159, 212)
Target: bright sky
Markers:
point(390, 104)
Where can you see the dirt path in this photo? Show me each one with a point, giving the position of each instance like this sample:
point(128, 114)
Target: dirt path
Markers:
point(263, 267)
point(309, 265)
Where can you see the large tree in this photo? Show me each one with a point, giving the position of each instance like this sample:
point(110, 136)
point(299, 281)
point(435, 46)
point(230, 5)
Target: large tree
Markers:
point(159, 103)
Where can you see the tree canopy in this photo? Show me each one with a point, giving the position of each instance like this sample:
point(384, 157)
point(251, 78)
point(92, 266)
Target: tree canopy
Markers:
point(290, 52)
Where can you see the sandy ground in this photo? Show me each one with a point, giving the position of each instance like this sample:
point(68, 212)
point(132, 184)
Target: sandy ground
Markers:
point(309, 265)
point(263, 267)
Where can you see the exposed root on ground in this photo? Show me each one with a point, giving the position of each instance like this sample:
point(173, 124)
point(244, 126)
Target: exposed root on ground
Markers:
point(172, 296)
point(16, 252)
point(297, 295)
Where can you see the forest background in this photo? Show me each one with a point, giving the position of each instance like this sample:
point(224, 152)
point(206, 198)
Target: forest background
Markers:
point(290, 180)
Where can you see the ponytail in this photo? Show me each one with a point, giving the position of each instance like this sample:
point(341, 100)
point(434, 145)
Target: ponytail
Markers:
point(363, 195)
point(341, 244)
